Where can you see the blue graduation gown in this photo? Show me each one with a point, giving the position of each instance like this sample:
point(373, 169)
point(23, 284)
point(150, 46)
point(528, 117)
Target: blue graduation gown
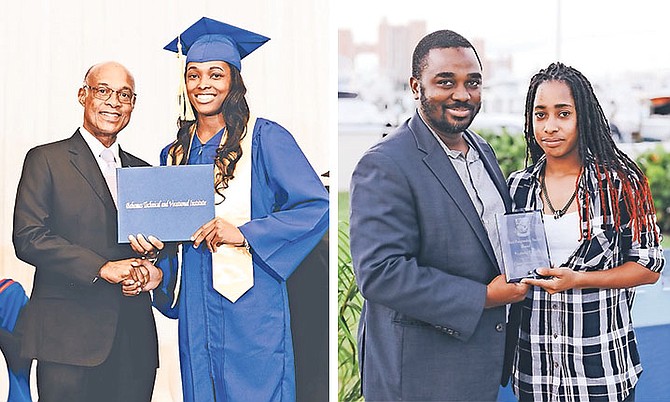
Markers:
point(12, 300)
point(243, 351)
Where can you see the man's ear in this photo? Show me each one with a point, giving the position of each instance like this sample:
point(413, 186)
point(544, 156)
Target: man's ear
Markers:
point(81, 95)
point(414, 84)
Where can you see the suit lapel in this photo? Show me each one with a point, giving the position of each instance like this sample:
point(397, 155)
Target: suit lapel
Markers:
point(84, 162)
point(438, 162)
point(125, 159)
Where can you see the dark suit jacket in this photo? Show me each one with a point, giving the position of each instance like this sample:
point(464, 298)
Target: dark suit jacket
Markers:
point(422, 260)
point(65, 226)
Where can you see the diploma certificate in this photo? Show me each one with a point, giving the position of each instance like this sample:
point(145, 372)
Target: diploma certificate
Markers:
point(168, 202)
point(524, 244)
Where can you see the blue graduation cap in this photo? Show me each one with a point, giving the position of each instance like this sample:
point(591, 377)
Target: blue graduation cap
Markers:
point(210, 40)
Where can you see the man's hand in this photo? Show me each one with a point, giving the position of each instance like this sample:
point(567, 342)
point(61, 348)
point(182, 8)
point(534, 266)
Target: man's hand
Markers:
point(130, 287)
point(499, 292)
point(117, 271)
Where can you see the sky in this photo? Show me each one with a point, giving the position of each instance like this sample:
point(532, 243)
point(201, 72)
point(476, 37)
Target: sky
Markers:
point(596, 37)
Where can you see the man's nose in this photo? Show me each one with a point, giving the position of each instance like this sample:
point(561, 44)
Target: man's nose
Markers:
point(113, 99)
point(461, 94)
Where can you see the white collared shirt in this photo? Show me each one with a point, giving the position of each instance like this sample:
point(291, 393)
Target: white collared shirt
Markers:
point(480, 188)
point(96, 148)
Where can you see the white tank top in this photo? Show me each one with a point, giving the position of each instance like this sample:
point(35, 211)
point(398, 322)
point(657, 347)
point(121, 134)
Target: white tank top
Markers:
point(562, 236)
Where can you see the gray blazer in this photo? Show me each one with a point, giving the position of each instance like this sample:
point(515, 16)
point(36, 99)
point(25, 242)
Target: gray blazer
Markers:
point(422, 260)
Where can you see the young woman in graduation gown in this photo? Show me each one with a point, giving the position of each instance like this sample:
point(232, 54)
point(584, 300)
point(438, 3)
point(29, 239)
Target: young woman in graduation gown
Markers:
point(272, 209)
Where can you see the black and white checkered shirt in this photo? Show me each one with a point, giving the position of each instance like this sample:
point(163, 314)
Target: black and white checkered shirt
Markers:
point(579, 345)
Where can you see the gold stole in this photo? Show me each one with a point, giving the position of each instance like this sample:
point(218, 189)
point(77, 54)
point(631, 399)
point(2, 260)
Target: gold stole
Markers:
point(232, 266)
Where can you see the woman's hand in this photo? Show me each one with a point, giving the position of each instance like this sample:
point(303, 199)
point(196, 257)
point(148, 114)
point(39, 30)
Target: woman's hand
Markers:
point(155, 276)
point(137, 278)
point(146, 248)
point(217, 232)
point(144, 276)
point(627, 275)
point(560, 279)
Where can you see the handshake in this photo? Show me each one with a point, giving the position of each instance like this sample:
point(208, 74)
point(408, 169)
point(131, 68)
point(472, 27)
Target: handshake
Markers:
point(136, 275)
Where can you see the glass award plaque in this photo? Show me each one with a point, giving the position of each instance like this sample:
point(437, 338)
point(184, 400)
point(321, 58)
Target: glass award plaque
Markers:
point(523, 242)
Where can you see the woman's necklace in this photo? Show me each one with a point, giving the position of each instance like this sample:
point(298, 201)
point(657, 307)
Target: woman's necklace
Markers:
point(557, 213)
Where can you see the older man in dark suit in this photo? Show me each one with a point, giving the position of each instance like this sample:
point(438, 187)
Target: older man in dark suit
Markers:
point(424, 242)
point(91, 342)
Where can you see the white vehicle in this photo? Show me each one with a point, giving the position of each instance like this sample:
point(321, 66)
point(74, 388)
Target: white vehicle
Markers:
point(360, 126)
point(656, 125)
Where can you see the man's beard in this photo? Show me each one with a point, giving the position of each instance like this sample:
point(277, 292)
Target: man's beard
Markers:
point(442, 125)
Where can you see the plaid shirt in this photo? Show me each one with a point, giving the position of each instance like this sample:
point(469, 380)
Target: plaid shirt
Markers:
point(579, 345)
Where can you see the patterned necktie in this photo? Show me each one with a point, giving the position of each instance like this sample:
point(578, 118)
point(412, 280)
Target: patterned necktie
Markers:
point(110, 172)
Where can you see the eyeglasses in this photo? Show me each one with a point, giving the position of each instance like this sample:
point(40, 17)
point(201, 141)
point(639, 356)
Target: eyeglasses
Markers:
point(103, 92)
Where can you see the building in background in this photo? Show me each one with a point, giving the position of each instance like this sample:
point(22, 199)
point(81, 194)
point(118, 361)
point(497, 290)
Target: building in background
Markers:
point(378, 72)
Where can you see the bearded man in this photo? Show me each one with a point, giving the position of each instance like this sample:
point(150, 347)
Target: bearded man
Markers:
point(424, 241)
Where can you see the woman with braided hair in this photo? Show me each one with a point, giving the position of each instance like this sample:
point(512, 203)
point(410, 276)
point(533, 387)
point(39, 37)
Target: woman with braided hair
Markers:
point(575, 335)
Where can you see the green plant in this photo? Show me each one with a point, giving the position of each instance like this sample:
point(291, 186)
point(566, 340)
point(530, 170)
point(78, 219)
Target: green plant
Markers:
point(349, 302)
point(343, 207)
point(510, 149)
point(655, 164)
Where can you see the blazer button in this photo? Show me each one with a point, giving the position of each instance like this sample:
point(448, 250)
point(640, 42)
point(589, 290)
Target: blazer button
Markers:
point(71, 284)
point(500, 327)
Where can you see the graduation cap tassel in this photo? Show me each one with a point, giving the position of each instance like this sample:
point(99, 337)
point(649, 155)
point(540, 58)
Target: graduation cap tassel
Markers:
point(184, 106)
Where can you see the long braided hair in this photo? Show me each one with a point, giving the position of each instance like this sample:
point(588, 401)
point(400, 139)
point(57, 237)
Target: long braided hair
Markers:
point(597, 152)
point(235, 112)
